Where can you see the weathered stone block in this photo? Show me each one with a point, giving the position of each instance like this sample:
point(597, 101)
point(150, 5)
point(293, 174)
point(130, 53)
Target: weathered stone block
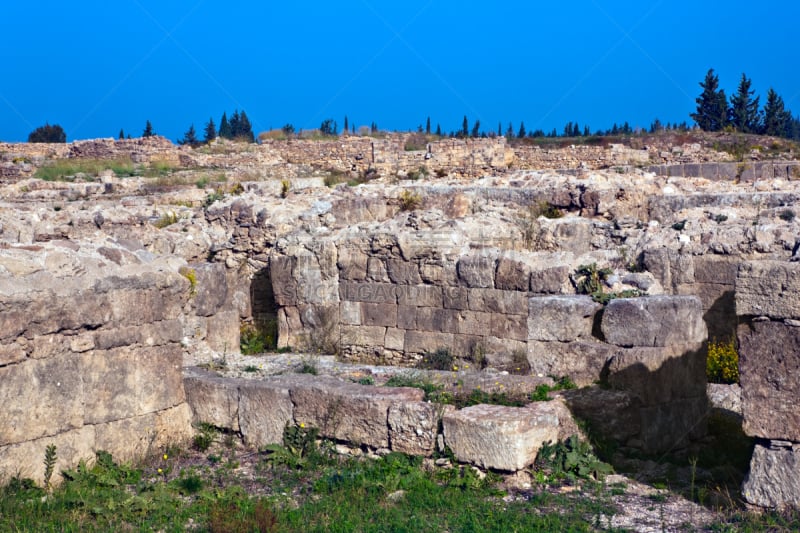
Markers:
point(406, 317)
point(420, 295)
point(347, 411)
point(413, 427)
point(499, 437)
point(25, 459)
point(427, 341)
point(497, 301)
point(395, 339)
point(456, 298)
point(264, 410)
point(110, 383)
point(768, 288)
point(561, 318)
point(350, 313)
point(613, 413)
point(583, 362)
point(369, 336)
point(379, 314)
point(159, 378)
point(474, 323)
point(477, 271)
point(717, 270)
point(214, 400)
point(368, 292)
point(403, 272)
point(12, 353)
point(376, 270)
point(211, 288)
point(352, 263)
point(514, 327)
point(437, 319)
point(654, 321)
point(223, 331)
point(660, 375)
point(512, 274)
point(769, 368)
point(774, 477)
point(26, 415)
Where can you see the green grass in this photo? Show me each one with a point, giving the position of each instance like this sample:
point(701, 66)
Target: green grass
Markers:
point(66, 169)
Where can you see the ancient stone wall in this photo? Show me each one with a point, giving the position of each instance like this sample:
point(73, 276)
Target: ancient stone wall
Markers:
point(769, 363)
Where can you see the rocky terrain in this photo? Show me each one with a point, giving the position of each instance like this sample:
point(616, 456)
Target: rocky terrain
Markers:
point(143, 260)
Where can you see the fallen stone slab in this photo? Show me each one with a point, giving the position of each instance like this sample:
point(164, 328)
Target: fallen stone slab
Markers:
point(774, 477)
point(499, 437)
point(265, 407)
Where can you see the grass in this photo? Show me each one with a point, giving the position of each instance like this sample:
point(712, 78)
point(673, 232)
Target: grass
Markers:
point(67, 169)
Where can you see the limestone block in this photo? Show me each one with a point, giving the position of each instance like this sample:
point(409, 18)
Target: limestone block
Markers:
point(406, 317)
point(352, 263)
point(774, 477)
point(437, 319)
point(214, 400)
point(477, 271)
point(660, 375)
point(12, 352)
point(714, 269)
point(350, 313)
point(499, 437)
point(26, 457)
point(513, 327)
point(426, 341)
point(110, 383)
point(561, 318)
point(497, 301)
point(769, 368)
point(376, 270)
point(474, 323)
point(369, 336)
point(768, 288)
point(654, 321)
point(174, 426)
point(211, 288)
point(127, 439)
point(582, 361)
point(725, 397)
point(403, 272)
point(159, 378)
point(41, 397)
point(223, 332)
point(413, 427)
point(671, 426)
point(264, 410)
point(384, 314)
point(456, 298)
point(395, 339)
point(368, 292)
point(420, 295)
point(347, 411)
point(284, 285)
point(49, 346)
point(512, 274)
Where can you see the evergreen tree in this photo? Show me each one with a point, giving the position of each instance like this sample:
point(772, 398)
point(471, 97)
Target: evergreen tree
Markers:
point(235, 124)
point(225, 127)
point(615, 129)
point(190, 137)
point(245, 128)
point(656, 126)
point(587, 131)
point(210, 131)
point(288, 129)
point(373, 127)
point(48, 134)
point(510, 131)
point(327, 127)
point(438, 130)
point(568, 129)
point(346, 125)
point(776, 119)
point(743, 113)
point(476, 129)
point(121, 134)
point(576, 130)
point(353, 128)
point(712, 105)
point(626, 128)
point(554, 133)
point(522, 133)
point(148, 130)
point(499, 129)
point(465, 127)
point(428, 126)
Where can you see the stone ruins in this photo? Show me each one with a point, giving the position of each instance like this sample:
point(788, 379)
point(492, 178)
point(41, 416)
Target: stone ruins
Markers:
point(123, 297)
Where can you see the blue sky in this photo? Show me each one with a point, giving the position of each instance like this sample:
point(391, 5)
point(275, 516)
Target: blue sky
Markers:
point(97, 66)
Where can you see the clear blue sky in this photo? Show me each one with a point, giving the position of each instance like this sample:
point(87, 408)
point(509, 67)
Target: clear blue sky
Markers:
point(97, 66)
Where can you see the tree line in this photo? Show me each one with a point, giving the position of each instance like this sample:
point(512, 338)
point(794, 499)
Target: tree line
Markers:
point(742, 112)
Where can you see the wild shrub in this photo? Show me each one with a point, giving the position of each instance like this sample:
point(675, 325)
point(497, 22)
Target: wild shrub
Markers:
point(441, 359)
point(722, 364)
point(410, 200)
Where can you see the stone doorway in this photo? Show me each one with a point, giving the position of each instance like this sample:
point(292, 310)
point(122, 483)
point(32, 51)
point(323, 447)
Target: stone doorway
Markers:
point(264, 308)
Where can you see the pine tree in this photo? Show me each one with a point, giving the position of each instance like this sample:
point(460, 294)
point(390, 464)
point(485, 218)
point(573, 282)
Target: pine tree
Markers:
point(48, 134)
point(465, 127)
point(190, 137)
point(776, 119)
point(499, 129)
point(245, 128)
point(428, 126)
point(121, 134)
point(210, 131)
point(346, 125)
point(225, 127)
point(476, 129)
point(438, 130)
point(510, 131)
point(235, 124)
point(522, 133)
point(712, 105)
point(373, 128)
point(576, 130)
point(568, 129)
point(148, 130)
point(743, 113)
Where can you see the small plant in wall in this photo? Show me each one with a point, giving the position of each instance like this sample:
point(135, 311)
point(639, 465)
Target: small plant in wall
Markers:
point(722, 364)
point(410, 200)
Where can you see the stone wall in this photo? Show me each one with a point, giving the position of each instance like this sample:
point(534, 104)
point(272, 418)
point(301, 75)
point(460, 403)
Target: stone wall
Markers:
point(768, 306)
point(92, 345)
point(738, 172)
